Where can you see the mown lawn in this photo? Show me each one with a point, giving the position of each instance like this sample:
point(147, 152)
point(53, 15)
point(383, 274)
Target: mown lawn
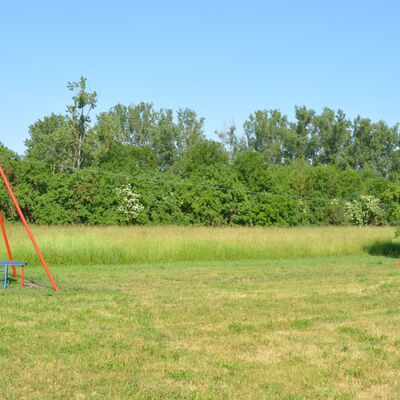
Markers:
point(312, 328)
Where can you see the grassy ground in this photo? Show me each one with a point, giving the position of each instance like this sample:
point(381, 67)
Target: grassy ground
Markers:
point(152, 244)
point(299, 328)
point(295, 329)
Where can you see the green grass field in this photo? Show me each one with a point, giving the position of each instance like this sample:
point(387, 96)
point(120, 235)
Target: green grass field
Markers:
point(154, 244)
point(224, 313)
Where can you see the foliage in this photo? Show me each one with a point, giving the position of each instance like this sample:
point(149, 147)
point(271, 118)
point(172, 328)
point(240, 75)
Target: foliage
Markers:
point(335, 213)
point(321, 168)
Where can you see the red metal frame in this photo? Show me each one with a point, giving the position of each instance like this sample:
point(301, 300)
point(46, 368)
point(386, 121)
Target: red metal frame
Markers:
point(10, 257)
point(28, 230)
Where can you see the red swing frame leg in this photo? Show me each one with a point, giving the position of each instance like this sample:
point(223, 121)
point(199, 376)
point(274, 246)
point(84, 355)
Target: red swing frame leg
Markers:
point(3, 230)
point(28, 229)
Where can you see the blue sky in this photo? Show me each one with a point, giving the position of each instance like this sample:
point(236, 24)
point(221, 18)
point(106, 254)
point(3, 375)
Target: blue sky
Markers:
point(224, 59)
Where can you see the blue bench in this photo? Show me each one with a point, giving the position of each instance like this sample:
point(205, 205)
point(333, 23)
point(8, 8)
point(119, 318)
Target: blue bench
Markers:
point(12, 263)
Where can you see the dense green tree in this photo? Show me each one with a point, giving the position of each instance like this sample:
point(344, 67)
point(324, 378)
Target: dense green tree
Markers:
point(190, 129)
point(265, 132)
point(375, 147)
point(142, 126)
point(301, 140)
point(164, 141)
point(6, 153)
point(214, 196)
point(255, 173)
point(51, 141)
point(203, 155)
point(108, 132)
point(139, 123)
point(333, 138)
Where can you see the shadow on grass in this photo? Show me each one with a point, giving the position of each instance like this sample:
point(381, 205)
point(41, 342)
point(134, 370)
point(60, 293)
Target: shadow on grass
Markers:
point(385, 248)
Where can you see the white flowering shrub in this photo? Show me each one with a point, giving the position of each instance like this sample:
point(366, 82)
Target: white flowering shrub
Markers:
point(129, 206)
point(364, 211)
point(354, 212)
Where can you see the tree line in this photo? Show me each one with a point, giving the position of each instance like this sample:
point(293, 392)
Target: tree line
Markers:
point(137, 164)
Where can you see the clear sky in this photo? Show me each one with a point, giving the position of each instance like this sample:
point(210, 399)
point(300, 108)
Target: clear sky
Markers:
point(224, 59)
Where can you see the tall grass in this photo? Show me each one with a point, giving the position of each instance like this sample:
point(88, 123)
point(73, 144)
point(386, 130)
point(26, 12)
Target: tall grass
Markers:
point(145, 244)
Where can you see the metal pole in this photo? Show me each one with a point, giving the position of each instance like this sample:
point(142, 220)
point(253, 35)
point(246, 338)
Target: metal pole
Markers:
point(28, 230)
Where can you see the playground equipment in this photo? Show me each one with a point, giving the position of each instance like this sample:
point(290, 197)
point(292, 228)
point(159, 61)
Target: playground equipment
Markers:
point(11, 262)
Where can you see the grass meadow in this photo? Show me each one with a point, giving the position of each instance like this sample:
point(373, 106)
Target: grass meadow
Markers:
point(204, 313)
point(160, 244)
